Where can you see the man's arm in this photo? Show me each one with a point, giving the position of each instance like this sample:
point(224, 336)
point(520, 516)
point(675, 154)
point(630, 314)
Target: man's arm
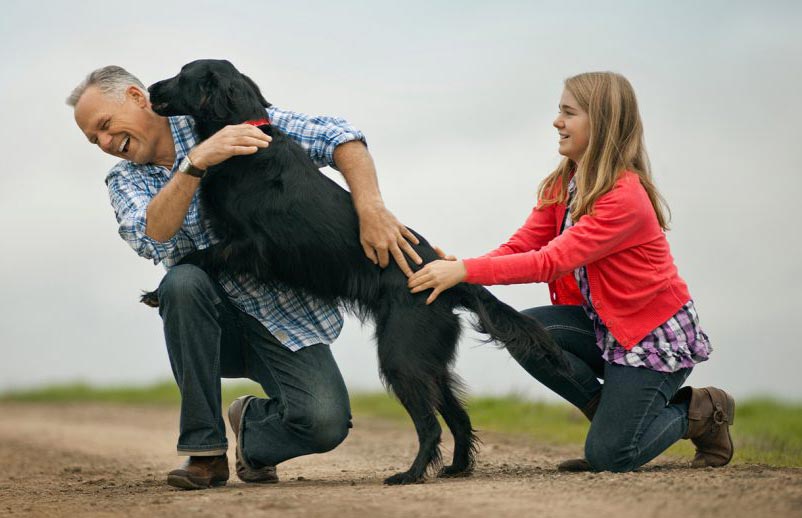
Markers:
point(380, 233)
point(167, 210)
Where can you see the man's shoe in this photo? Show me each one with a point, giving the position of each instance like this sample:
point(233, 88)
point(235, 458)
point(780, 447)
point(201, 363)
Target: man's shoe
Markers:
point(711, 411)
point(246, 473)
point(574, 465)
point(200, 473)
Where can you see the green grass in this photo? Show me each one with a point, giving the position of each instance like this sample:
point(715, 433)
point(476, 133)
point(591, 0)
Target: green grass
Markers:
point(765, 431)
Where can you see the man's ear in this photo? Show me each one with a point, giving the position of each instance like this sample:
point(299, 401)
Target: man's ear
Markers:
point(134, 93)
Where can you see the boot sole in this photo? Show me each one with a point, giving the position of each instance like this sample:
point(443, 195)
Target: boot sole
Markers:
point(182, 482)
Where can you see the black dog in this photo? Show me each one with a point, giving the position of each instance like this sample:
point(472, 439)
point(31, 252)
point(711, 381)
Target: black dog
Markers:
point(282, 221)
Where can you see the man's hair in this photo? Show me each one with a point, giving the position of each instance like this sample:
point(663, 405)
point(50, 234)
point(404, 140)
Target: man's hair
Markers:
point(111, 80)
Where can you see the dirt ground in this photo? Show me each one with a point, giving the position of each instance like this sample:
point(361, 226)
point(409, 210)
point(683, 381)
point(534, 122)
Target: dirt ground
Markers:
point(106, 460)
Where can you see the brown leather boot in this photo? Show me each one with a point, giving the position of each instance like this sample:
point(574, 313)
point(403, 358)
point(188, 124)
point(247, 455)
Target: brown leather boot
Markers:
point(711, 411)
point(200, 473)
point(246, 473)
point(574, 465)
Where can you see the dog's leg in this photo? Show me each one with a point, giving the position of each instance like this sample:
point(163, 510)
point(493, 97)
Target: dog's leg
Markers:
point(410, 364)
point(465, 441)
point(417, 402)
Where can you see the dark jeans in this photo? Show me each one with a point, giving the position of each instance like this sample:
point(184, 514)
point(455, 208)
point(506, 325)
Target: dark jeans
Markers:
point(209, 338)
point(635, 420)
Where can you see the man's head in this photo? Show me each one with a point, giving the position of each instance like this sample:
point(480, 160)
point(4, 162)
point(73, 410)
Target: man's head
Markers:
point(113, 110)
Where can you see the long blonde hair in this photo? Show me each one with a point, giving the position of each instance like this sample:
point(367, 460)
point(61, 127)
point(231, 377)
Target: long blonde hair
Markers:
point(615, 144)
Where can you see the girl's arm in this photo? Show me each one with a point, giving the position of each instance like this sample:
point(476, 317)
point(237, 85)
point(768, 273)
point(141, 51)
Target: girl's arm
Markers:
point(538, 229)
point(615, 224)
point(619, 221)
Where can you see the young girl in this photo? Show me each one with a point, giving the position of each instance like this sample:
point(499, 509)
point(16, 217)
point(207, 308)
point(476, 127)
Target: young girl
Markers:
point(621, 311)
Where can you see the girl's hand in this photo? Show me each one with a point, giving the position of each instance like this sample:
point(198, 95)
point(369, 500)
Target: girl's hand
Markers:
point(443, 255)
point(438, 275)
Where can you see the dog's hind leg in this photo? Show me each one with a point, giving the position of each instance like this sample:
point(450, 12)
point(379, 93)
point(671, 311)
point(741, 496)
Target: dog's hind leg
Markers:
point(413, 396)
point(407, 339)
point(465, 441)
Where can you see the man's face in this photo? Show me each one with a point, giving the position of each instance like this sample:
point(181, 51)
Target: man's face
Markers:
point(123, 128)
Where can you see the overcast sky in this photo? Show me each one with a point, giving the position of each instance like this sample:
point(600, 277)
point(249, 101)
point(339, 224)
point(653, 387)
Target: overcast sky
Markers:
point(456, 100)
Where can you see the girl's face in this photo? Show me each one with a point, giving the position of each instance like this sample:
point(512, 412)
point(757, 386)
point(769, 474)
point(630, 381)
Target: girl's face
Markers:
point(573, 126)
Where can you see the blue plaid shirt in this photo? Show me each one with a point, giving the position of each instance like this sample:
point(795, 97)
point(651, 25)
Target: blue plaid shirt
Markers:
point(295, 321)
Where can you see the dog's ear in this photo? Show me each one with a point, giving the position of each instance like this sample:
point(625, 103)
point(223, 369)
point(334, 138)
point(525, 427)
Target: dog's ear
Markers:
point(256, 91)
point(216, 96)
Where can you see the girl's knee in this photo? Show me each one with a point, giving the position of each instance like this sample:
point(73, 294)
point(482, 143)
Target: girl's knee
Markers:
point(610, 454)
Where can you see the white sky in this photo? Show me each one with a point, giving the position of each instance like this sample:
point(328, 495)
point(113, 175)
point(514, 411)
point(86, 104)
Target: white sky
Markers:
point(457, 102)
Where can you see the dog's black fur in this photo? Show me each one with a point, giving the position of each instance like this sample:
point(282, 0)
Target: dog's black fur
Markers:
point(283, 221)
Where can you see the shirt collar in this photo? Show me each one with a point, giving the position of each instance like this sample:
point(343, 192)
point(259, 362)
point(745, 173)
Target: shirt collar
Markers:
point(182, 128)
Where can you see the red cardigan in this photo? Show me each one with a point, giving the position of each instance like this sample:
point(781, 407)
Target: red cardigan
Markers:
point(634, 284)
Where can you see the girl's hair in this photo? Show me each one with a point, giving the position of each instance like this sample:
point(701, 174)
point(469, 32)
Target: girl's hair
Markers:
point(615, 145)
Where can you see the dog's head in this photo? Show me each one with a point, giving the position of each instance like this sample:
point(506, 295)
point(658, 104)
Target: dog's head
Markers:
point(209, 90)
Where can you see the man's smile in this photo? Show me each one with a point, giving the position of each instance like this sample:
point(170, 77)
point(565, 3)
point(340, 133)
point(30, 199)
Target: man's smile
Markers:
point(123, 147)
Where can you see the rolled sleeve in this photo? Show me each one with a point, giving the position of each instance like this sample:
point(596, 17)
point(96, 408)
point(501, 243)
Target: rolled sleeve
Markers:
point(318, 135)
point(130, 202)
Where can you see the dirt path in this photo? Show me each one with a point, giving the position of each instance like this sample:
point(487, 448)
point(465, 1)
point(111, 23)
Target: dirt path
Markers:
point(104, 460)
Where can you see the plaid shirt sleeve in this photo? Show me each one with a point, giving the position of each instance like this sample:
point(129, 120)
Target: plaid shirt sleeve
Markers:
point(130, 197)
point(318, 135)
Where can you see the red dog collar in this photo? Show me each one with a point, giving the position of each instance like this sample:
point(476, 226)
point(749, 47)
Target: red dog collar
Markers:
point(259, 122)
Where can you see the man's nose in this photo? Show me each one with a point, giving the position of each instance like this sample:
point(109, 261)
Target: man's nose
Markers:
point(104, 140)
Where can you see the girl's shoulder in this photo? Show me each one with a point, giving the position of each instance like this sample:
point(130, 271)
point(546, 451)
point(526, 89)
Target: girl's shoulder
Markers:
point(627, 192)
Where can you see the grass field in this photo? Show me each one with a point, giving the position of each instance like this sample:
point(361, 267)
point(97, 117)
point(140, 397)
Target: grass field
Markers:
point(765, 431)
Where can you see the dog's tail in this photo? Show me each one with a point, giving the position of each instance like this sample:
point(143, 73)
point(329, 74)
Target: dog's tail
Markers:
point(150, 298)
point(522, 335)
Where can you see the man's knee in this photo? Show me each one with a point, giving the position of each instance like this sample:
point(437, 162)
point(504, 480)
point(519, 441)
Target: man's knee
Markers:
point(322, 428)
point(610, 453)
point(183, 284)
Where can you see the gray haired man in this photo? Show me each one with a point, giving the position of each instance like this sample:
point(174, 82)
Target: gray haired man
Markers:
point(232, 327)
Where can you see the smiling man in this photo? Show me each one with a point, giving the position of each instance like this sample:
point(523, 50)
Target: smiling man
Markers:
point(232, 327)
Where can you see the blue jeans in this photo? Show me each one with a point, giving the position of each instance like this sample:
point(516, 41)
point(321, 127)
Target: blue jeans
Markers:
point(209, 338)
point(635, 420)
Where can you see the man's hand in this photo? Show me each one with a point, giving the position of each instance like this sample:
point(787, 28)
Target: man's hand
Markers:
point(240, 139)
point(438, 275)
point(382, 235)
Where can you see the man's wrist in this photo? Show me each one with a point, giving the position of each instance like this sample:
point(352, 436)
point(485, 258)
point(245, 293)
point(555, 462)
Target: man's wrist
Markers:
point(197, 159)
point(189, 167)
point(368, 205)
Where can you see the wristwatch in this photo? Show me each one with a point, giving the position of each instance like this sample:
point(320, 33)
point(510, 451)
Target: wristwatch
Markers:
point(187, 167)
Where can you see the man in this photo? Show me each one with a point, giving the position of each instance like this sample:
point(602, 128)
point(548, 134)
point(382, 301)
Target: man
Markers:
point(232, 327)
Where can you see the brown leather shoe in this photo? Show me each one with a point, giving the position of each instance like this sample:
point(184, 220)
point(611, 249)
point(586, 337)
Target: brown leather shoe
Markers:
point(575, 465)
point(246, 473)
point(200, 473)
point(711, 411)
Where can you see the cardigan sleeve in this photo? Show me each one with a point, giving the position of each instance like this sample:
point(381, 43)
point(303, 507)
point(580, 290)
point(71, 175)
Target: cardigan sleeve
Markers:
point(616, 223)
point(538, 229)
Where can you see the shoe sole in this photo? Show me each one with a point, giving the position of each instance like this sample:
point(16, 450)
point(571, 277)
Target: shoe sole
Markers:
point(187, 483)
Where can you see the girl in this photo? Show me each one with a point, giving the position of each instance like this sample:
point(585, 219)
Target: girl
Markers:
point(621, 311)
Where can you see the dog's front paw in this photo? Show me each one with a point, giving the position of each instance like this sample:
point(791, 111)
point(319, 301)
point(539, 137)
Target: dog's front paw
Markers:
point(406, 477)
